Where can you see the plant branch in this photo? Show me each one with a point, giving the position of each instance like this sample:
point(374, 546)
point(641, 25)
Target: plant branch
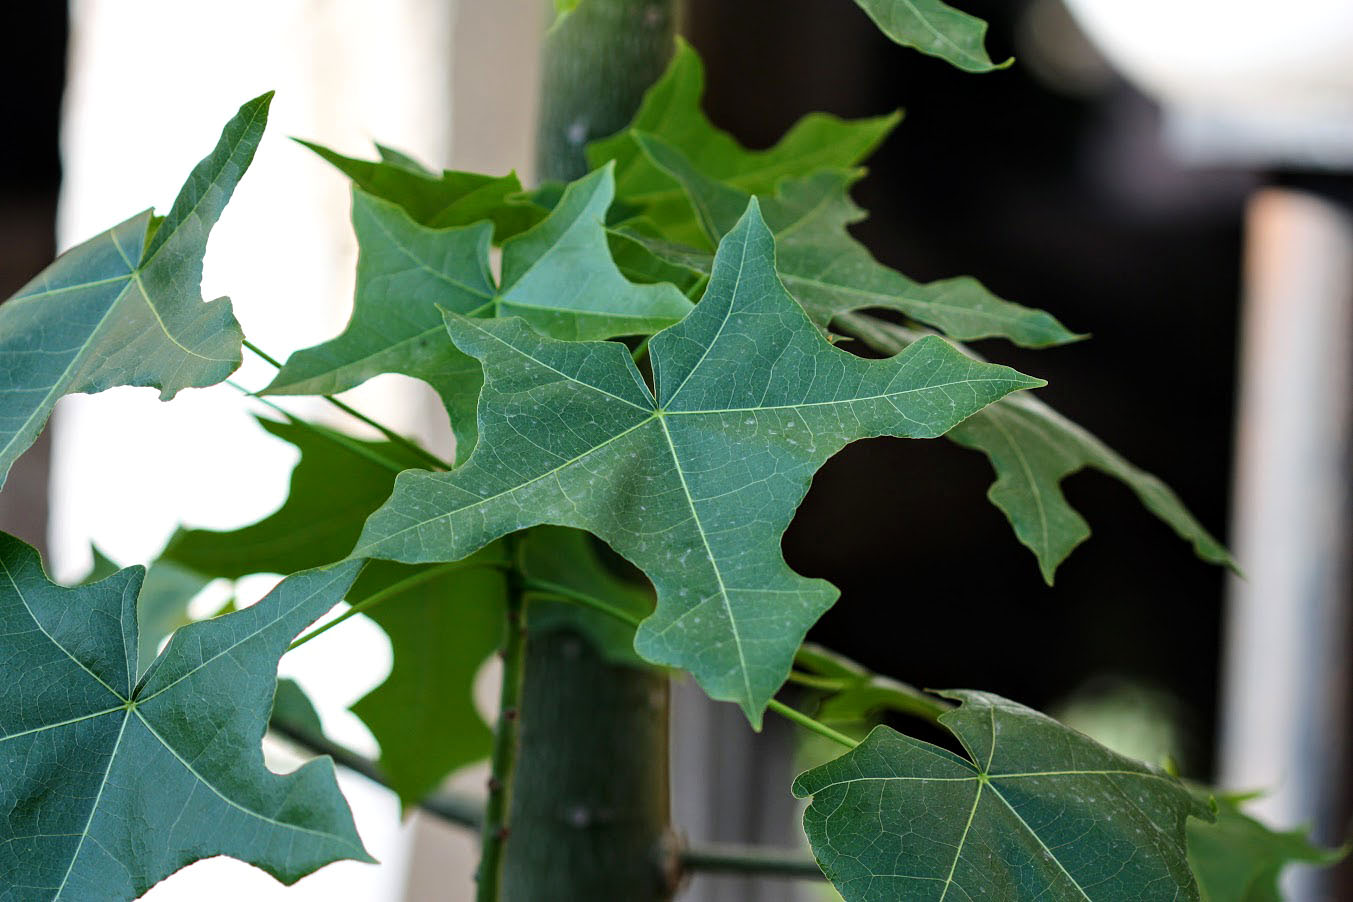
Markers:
point(730, 858)
point(505, 735)
point(404, 442)
point(453, 808)
point(467, 811)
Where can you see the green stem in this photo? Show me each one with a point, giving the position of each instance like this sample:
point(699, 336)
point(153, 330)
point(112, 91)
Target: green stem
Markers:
point(375, 598)
point(564, 593)
point(392, 435)
point(505, 735)
point(728, 858)
point(337, 438)
point(807, 722)
point(813, 681)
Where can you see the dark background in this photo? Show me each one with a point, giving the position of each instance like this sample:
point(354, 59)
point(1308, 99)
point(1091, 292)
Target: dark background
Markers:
point(1056, 201)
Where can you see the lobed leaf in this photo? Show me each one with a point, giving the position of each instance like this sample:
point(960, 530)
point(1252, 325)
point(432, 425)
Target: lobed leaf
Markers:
point(671, 111)
point(1033, 448)
point(831, 273)
point(1238, 859)
point(1035, 810)
point(936, 29)
point(125, 307)
point(559, 275)
point(696, 485)
point(109, 784)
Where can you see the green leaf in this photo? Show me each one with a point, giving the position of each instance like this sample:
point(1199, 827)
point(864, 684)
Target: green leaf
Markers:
point(558, 275)
point(316, 525)
point(438, 201)
point(1033, 448)
point(163, 606)
point(125, 307)
point(831, 273)
point(671, 110)
point(291, 704)
point(1238, 859)
point(110, 784)
point(696, 487)
point(443, 623)
point(1036, 810)
point(935, 29)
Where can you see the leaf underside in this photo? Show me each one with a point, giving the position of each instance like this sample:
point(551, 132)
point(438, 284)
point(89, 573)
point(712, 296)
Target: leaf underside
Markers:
point(125, 307)
point(695, 486)
point(109, 784)
point(1036, 810)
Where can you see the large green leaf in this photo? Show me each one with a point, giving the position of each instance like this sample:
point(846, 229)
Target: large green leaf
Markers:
point(831, 273)
point(935, 29)
point(125, 308)
point(438, 201)
point(696, 486)
point(1238, 859)
point(559, 275)
point(1036, 811)
point(1033, 448)
point(671, 110)
point(109, 784)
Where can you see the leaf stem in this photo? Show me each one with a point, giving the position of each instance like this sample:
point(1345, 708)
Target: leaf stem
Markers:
point(813, 681)
point(404, 442)
point(375, 598)
point(728, 858)
point(337, 438)
point(807, 722)
point(564, 593)
point(505, 735)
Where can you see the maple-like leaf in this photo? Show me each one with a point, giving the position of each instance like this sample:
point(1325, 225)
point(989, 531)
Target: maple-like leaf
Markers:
point(125, 307)
point(696, 485)
point(936, 29)
point(109, 784)
point(559, 275)
point(831, 273)
point(1035, 810)
point(671, 110)
point(1033, 448)
point(1238, 859)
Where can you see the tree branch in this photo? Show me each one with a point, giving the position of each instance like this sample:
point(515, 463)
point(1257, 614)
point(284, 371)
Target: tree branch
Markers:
point(467, 811)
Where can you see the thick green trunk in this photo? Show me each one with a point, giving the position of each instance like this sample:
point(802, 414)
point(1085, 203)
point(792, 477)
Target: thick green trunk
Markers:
point(587, 801)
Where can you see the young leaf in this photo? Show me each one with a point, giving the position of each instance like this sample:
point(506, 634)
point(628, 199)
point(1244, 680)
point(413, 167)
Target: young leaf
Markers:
point(558, 275)
point(125, 307)
point(935, 29)
point(1033, 448)
point(110, 784)
point(438, 201)
point(1036, 810)
point(696, 486)
point(1238, 859)
point(831, 273)
point(671, 110)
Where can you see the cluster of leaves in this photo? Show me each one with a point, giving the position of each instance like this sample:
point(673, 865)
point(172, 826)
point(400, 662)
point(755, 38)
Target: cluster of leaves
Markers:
point(691, 475)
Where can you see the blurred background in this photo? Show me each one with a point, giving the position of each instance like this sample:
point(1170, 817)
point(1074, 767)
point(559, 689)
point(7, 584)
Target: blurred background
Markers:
point(1127, 212)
